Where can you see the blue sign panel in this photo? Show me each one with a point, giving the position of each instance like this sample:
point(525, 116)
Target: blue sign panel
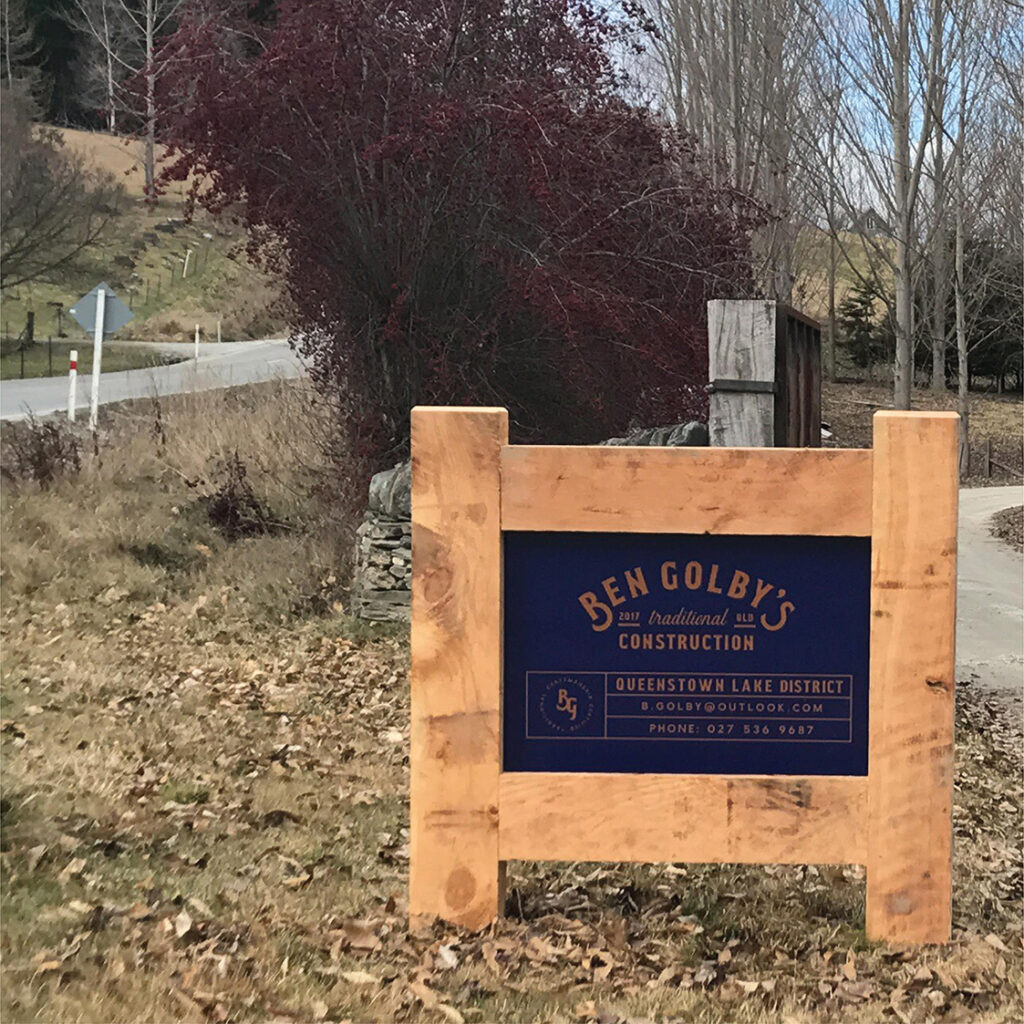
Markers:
point(684, 653)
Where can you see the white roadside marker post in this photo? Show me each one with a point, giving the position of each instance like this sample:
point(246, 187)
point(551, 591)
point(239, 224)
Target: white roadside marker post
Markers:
point(197, 344)
point(218, 332)
point(72, 383)
point(97, 357)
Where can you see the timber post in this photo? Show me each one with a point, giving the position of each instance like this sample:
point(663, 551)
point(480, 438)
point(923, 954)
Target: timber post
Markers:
point(764, 375)
point(455, 752)
point(913, 625)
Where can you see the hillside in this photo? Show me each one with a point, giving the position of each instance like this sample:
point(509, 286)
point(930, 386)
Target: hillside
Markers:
point(143, 260)
point(853, 263)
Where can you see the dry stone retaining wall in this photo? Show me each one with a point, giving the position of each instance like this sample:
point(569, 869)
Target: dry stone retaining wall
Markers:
point(383, 569)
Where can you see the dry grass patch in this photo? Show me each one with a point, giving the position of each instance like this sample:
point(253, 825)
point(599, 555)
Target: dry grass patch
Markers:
point(214, 829)
point(148, 518)
point(999, 419)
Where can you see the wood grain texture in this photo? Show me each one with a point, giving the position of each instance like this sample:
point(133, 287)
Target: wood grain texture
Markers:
point(913, 609)
point(741, 346)
point(822, 492)
point(699, 818)
point(456, 664)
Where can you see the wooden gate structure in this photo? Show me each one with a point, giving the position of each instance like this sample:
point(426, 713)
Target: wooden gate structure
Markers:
point(469, 816)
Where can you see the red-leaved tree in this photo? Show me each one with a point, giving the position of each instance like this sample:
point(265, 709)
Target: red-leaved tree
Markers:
point(463, 207)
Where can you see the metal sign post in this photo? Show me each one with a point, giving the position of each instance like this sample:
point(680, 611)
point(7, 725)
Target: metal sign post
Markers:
point(97, 357)
point(100, 312)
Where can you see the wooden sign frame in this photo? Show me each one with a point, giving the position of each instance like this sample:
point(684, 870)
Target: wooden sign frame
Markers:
point(467, 816)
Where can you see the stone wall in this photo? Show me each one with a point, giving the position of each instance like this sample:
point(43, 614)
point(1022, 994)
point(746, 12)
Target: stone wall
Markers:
point(383, 570)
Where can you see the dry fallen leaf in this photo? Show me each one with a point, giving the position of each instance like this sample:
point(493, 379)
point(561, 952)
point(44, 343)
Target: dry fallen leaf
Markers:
point(73, 869)
point(35, 855)
point(451, 1013)
point(359, 977)
point(731, 990)
point(896, 997)
point(446, 959)
point(849, 968)
point(587, 1010)
point(427, 996)
point(318, 1009)
point(359, 935)
point(182, 924)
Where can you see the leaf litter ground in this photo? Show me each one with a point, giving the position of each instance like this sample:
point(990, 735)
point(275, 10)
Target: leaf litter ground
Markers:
point(200, 827)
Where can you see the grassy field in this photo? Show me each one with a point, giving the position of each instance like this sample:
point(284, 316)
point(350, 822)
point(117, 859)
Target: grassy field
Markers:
point(43, 360)
point(143, 261)
point(206, 773)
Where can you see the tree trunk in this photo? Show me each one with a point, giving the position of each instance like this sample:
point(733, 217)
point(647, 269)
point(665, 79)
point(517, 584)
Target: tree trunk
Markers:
point(7, 40)
point(963, 378)
point(903, 363)
point(940, 262)
point(108, 49)
point(830, 335)
point(150, 157)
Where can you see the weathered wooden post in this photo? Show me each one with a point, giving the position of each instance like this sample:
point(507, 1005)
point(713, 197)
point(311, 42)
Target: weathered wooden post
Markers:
point(764, 374)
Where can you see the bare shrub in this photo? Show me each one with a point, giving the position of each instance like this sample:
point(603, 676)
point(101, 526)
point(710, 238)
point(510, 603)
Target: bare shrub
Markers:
point(41, 451)
point(233, 508)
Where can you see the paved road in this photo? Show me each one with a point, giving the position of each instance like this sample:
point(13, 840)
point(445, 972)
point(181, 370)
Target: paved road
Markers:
point(990, 595)
point(219, 366)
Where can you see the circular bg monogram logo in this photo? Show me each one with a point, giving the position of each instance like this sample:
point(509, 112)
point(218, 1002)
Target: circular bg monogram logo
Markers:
point(566, 705)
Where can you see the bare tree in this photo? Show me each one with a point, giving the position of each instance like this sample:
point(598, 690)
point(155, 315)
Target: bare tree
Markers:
point(53, 206)
point(125, 35)
point(18, 47)
point(987, 190)
point(732, 73)
point(108, 56)
point(939, 248)
point(890, 61)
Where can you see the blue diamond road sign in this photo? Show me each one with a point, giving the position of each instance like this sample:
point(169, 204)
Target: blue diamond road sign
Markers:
point(115, 313)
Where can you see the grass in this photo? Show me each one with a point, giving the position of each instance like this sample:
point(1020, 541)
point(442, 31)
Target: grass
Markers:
point(1008, 526)
point(206, 776)
point(51, 360)
point(142, 259)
